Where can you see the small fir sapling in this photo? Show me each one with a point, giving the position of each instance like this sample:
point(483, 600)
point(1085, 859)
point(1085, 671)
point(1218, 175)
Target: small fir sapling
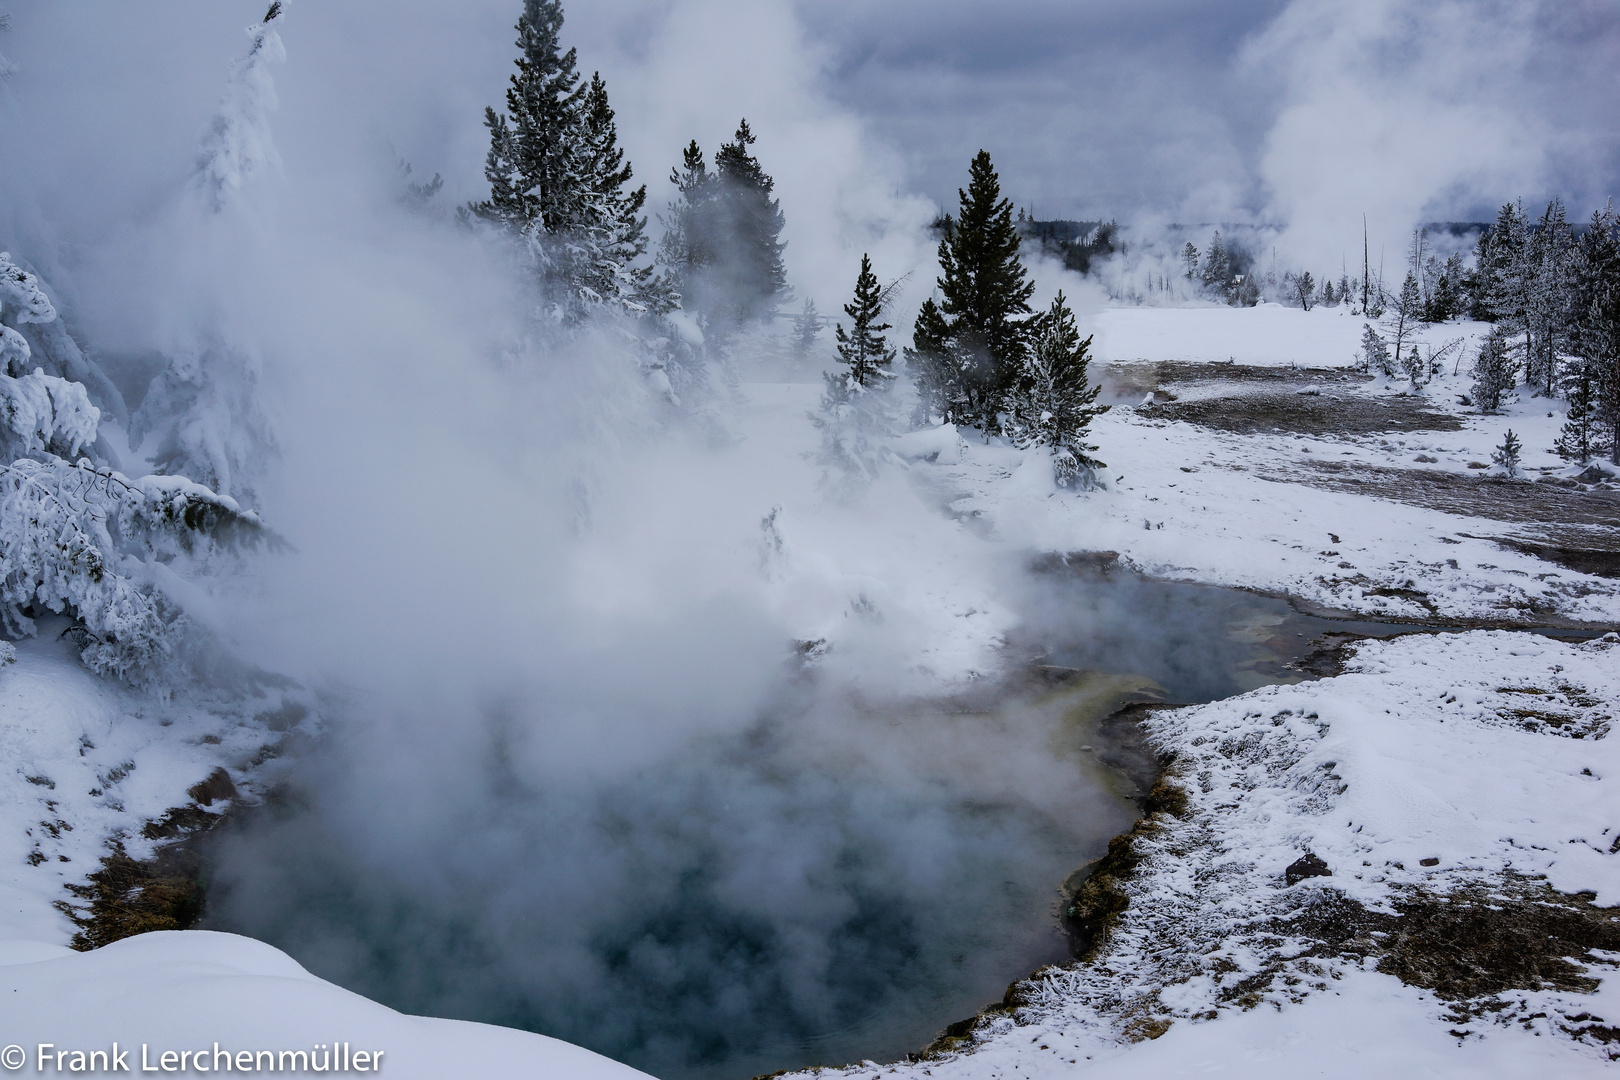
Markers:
point(1402, 325)
point(1375, 352)
point(1495, 371)
point(1053, 404)
point(1507, 454)
point(806, 329)
point(1189, 261)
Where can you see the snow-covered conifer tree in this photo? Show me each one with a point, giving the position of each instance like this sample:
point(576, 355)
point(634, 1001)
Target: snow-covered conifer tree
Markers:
point(1218, 268)
point(536, 162)
point(1375, 354)
point(1305, 290)
point(856, 405)
point(1549, 278)
point(615, 227)
point(1053, 403)
point(967, 348)
point(560, 185)
point(1596, 338)
point(1495, 371)
point(686, 249)
point(1401, 324)
point(806, 329)
point(237, 146)
point(1507, 454)
point(752, 278)
point(28, 316)
point(202, 417)
point(1581, 437)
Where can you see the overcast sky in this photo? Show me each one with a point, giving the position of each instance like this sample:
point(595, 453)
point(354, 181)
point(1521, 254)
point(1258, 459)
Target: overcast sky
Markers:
point(1292, 112)
point(1301, 113)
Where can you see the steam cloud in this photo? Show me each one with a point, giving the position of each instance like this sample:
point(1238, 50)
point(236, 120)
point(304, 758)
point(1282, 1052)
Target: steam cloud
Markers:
point(566, 773)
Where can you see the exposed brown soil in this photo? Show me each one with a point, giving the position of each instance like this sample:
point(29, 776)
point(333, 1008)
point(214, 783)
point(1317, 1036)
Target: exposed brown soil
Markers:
point(1496, 498)
point(1141, 378)
point(129, 896)
point(1309, 414)
point(1471, 947)
point(1275, 399)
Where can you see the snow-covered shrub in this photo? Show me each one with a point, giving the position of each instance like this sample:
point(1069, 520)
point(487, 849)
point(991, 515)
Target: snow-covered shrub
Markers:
point(202, 418)
point(31, 336)
point(87, 542)
point(1375, 355)
point(40, 413)
point(78, 538)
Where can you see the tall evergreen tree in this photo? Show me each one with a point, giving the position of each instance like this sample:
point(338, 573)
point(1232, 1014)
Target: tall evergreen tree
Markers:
point(1053, 403)
point(1305, 290)
point(1189, 261)
point(723, 237)
point(1218, 268)
point(1548, 318)
point(1596, 338)
point(935, 368)
point(856, 406)
point(863, 349)
point(687, 246)
point(613, 217)
point(536, 162)
point(559, 182)
point(967, 348)
point(754, 277)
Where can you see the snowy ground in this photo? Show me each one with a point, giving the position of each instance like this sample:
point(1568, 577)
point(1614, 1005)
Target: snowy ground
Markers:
point(1254, 509)
point(1483, 751)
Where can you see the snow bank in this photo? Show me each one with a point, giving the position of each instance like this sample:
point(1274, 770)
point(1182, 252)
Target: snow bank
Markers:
point(200, 991)
point(940, 445)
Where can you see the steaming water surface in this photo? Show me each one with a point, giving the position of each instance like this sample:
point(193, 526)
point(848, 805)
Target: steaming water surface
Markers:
point(830, 885)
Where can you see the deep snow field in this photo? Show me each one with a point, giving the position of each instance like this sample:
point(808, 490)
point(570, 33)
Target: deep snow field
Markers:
point(1472, 767)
